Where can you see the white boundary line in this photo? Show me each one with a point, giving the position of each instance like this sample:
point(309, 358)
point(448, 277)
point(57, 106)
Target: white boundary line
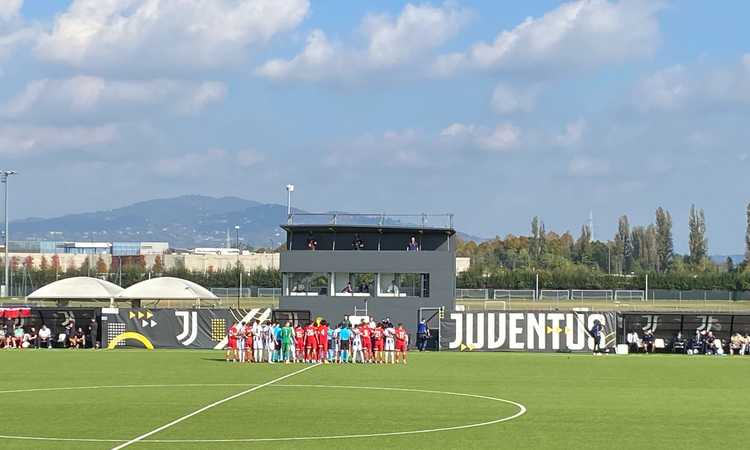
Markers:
point(207, 407)
point(521, 411)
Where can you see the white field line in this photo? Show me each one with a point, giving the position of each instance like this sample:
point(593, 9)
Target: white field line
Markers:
point(207, 407)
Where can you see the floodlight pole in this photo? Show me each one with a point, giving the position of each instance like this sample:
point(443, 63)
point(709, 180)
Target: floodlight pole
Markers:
point(5, 174)
point(289, 190)
point(239, 270)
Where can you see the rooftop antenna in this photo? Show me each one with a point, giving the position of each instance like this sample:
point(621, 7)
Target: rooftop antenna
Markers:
point(591, 225)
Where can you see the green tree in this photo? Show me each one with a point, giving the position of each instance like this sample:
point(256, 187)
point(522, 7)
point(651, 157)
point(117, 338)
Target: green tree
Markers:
point(697, 238)
point(623, 246)
point(583, 247)
point(730, 264)
point(664, 242)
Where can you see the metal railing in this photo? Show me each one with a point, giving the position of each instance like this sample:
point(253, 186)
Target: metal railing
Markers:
point(422, 220)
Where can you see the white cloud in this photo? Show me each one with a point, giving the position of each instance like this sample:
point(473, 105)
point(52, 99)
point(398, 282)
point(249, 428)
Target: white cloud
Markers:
point(189, 162)
point(507, 99)
point(165, 33)
point(682, 88)
point(588, 167)
point(503, 137)
point(86, 94)
point(249, 158)
point(572, 135)
point(23, 140)
point(574, 36)
point(214, 159)
point(13, 31)
point(390, 43)
point(10, 9)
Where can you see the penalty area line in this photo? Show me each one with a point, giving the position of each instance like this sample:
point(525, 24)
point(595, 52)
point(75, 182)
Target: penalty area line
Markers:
point(207, 407)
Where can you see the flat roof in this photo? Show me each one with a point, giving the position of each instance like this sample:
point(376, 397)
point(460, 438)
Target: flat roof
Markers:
point(367, 228)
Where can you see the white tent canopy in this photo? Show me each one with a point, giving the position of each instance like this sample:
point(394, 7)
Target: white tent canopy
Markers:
point(166, 288)
point(77, 288)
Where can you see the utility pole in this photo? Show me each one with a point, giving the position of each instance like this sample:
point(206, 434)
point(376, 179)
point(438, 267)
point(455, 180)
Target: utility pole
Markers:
point(5, 174)
point(239, 269)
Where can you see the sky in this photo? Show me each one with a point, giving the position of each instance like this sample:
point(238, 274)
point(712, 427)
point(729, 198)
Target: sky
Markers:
point(493, 111)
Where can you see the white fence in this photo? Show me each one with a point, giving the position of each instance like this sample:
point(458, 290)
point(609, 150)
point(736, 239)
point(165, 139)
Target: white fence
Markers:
point(554, 294)
point(479, 294)
point(625, 294)
point(514, 294)
point(593, 294)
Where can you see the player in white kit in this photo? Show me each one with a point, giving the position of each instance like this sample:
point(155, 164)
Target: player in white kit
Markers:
point(269, 341)
point(357, 346)
point(257, 341)
point(390, 344)
point(241, 341)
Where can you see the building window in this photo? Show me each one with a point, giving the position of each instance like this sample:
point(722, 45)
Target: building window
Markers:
point(404, 285)
point(307, 283)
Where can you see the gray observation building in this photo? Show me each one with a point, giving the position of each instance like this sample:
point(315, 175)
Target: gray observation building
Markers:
point(384, 268)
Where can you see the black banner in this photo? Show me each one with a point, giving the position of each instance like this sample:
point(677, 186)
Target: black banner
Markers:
point(525, 331)
point(172, 328)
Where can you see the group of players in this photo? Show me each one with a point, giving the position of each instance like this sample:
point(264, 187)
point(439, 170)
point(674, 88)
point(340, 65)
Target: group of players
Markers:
point(317, 342)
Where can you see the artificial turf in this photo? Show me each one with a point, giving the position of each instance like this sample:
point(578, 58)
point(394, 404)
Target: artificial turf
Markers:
point(573, 401)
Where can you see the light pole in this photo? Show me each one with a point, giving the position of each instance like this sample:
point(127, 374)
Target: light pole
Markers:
point(289, 190)
point(5, 174)
point(239, 269)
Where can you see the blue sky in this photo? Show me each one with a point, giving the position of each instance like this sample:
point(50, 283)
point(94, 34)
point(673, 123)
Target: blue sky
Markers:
point(495, 111)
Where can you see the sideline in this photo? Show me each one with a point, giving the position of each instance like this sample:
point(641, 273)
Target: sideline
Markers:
point(207, 407)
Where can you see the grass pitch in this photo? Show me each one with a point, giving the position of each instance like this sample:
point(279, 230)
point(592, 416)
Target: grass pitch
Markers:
point(111, 397)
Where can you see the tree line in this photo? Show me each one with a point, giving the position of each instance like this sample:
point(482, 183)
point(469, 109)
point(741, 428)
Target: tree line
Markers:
point(619, 263)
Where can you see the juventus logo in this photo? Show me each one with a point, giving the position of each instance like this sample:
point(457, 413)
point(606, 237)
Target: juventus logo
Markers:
point(189, 327)
point(652, 322)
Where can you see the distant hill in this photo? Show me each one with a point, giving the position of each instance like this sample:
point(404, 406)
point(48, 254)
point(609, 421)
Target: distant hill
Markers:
point(185, 222)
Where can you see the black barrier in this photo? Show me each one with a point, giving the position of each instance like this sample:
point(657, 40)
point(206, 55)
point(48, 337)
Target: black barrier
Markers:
point(526, 331)
point(173, 328)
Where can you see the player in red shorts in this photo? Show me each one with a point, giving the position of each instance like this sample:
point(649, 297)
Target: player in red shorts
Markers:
point(299, 343)
point(322, 333)
point(402, 342)
point(231, 343)
point(366, 336)
point(311, 343)
point(248, 332)
point(378, 343)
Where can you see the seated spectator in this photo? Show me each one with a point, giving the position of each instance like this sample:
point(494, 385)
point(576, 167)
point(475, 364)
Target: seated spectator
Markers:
point(312, 244)
point(393, 288)
point(29, 339)
point(44, 337)
point(648, 342)
point(18, 336)
point(363, 288)
point(633, 341)
point(357, 243)
point(737, 345)
point(348, 288)
point(747, 343)
point(710, 343)
point(678, 344)
point(413, 246)
point(78, 339)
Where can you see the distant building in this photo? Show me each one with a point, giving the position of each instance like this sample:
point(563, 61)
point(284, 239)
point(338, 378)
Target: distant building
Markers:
point(101, 248)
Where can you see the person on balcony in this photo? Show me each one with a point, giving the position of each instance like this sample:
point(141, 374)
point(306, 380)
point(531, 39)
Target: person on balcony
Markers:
point(312, 244)
point(413, 246)
point(358, 243)
point(348, 288)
